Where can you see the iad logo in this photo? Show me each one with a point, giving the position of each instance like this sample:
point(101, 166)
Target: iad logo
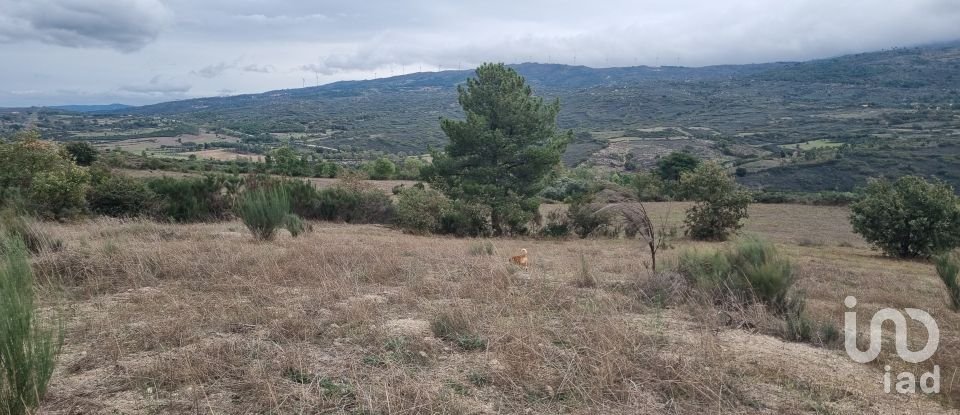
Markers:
point(906, 381)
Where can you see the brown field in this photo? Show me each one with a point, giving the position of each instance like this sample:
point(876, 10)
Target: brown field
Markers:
point(154, 144)
point(222, 154)
point(647, 150)
point(200, 318)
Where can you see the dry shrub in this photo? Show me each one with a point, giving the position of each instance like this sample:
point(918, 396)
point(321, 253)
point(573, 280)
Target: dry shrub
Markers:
point(664, 288)
point(585, 278)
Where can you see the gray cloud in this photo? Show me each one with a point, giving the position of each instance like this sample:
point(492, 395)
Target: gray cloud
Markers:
point(213, 71)
point(282, 42)
point(258, 68)
point(158, 86)
point(124, 25)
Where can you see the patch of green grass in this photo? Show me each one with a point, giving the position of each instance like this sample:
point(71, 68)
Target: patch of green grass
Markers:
point(458, 388)
point(812, 144)
point(453, 326)
point(296, 375)
point(374, 360)
point(478, 379)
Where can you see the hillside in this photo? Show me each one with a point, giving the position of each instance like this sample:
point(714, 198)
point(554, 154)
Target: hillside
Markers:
point(826, 124)
point(91, 108)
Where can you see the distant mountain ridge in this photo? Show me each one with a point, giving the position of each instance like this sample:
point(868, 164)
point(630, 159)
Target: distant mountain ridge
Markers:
point(538, 75)
point(825, 124)
point(91, 108)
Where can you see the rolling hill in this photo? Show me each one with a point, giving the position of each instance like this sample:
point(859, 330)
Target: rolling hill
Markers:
point(826, 124)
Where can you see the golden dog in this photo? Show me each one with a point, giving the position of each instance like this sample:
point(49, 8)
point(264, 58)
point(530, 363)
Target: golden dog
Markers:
point(521, 259)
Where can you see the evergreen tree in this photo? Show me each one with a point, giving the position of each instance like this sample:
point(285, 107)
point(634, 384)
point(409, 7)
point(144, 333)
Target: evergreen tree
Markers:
point(501, 154)
point(673, 166)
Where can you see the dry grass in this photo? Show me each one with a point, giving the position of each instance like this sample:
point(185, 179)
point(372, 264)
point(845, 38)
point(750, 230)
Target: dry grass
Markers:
point(200, 318)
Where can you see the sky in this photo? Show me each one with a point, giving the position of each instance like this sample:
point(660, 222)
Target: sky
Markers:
point(55, 52)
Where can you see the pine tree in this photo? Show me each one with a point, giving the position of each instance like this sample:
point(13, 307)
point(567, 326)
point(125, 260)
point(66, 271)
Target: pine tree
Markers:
point(503, 152)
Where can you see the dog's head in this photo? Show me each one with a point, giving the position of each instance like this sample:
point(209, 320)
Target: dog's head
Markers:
point(523, 251)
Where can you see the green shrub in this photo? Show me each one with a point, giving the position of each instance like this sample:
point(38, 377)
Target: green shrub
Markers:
point(649, 187)
point(59, 193)
point(381, 169)
point(948, 268)
point(673, 166)
point(28, 349)
point(193, 199)
point(568, 188)
point(420, 210)
point(557, 225)
point(353, 205)
point(466, 219)
point(263, 211)
point(720, 203)
point(17, 226)
point(586, 221)
point(81, 152)
point(829, 334)
point(910, 217)
point(750, 270)
point(119, 196)
point(799, 327)
point(44, 174)
point(349, 201)
point(295, 225)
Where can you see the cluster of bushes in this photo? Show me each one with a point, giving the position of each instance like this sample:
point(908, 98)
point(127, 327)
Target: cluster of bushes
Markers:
point(421, 210)
point(44, 175)
point(189, 199)
point(752, 271)
point(349, 201)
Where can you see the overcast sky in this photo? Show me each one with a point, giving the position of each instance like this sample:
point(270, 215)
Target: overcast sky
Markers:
point(145, 51)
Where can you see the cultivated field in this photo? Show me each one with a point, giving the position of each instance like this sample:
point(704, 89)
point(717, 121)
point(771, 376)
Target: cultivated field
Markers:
point(200, 318)
point(223, 154)
point(161, 145)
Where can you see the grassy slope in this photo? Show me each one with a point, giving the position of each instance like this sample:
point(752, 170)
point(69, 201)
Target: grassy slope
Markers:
point(200, 318)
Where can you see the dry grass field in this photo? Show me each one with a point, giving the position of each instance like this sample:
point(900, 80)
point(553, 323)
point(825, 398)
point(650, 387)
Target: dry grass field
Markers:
point(222, 154)
point(154, 144)
point(163, 318)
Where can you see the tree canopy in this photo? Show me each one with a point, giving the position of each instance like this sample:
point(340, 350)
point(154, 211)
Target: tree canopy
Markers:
point(910, 217)
point(502, 152)
point(674, 165)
